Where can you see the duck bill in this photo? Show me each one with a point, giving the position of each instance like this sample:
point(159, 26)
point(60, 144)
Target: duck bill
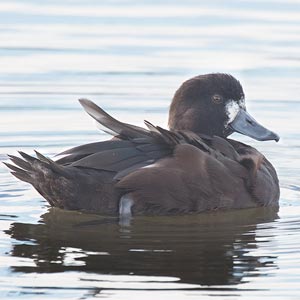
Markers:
point(245, 124)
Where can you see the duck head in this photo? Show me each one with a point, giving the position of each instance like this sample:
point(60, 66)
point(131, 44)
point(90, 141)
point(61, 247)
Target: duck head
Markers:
point(214, 104)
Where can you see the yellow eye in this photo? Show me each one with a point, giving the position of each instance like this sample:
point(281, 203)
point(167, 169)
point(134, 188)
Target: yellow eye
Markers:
point(217, 99)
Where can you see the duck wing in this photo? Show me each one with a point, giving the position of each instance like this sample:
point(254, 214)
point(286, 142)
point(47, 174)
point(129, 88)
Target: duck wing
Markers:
point(110, 124)
point(134, 147)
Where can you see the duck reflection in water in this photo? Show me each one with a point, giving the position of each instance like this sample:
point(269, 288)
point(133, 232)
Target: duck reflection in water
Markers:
point(210, 249)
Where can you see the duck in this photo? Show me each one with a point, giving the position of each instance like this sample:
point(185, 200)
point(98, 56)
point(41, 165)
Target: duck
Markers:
point(192, 167)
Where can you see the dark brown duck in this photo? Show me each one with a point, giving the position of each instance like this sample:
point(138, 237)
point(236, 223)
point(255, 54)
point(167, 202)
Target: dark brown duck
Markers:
point(192, 167)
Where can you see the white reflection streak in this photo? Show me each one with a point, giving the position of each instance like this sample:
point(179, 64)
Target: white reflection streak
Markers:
point(243, 30)
point(147, 11)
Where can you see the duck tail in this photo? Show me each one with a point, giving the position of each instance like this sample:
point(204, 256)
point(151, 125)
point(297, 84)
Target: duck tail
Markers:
point(22, 168)
point(38, 171)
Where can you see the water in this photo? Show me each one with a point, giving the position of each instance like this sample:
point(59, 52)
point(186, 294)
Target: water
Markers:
point(130, 57)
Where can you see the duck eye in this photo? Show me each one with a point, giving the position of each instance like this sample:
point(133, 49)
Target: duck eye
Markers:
point(217, 99)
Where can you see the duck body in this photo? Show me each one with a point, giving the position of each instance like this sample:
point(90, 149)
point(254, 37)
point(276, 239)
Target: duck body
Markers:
point(191, 168)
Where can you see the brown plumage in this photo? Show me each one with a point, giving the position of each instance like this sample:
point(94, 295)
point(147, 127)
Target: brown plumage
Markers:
point(192, 168)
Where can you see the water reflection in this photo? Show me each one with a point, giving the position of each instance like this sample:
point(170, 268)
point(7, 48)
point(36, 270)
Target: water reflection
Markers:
point(208, 249)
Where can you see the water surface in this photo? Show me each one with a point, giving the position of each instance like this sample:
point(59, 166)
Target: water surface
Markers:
point(130, 57)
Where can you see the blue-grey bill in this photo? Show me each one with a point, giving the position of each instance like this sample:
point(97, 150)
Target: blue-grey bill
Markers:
point(245, 124)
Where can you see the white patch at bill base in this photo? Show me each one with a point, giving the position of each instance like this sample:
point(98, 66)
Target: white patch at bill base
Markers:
point(232, 108)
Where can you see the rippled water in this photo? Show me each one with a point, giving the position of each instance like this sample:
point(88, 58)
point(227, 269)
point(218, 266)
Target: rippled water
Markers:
point(130, 57)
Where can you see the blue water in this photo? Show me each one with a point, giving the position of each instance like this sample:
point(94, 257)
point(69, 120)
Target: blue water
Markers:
point(130, 57)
